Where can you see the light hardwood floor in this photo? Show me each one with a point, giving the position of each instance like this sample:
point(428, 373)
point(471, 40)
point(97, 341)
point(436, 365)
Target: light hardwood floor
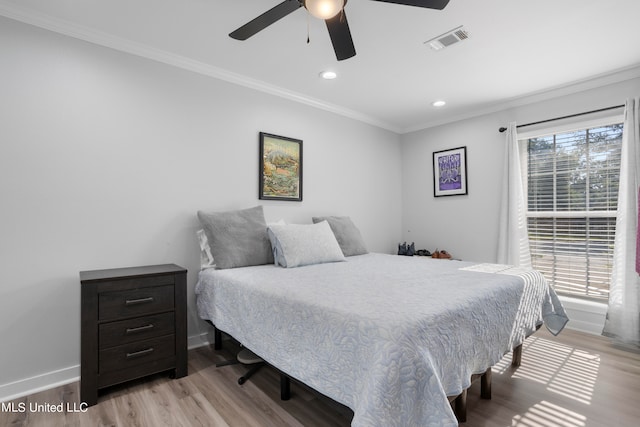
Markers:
point(573, 380)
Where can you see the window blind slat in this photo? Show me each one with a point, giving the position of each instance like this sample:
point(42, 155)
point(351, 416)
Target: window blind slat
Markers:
point(572, 190)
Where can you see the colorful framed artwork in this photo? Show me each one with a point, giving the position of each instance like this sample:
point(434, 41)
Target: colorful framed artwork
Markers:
point(450, 172)
point(280, 168)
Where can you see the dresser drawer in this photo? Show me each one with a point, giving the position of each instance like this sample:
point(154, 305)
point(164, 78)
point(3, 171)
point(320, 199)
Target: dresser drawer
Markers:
point(137, 353)
point(139, 328)
point(135, 302)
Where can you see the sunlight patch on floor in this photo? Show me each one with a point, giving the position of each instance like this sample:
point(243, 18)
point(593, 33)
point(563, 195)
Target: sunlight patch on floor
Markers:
point(564, 370)
point(546, 414)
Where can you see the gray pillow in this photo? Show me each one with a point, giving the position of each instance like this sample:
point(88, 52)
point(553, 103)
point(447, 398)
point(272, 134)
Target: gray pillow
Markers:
point(237, 238)
point(347, 234)
point(295, 245)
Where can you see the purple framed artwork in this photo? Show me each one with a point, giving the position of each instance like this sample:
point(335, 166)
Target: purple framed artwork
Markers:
point(450, 172)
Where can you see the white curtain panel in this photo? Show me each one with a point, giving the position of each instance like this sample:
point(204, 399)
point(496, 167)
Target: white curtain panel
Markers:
point(623, 316)
point(513, 238)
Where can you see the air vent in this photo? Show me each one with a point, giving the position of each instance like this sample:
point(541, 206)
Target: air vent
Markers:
point(447, 39)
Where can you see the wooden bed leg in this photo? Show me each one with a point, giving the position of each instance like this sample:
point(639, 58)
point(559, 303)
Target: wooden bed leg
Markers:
point(217, 336)
point(285, 387)
point(485, 385)
point(461, 407)
point(517, 356)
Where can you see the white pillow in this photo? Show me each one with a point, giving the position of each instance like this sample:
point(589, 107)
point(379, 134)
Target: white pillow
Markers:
point(206, 259)
point(296, 245)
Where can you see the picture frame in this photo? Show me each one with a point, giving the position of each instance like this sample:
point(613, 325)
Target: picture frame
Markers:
point(280, 173)
point(450, 172)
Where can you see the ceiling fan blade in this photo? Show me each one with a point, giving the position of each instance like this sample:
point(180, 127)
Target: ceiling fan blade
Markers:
point(263, 21)
point(341, 36)
point(430, 4)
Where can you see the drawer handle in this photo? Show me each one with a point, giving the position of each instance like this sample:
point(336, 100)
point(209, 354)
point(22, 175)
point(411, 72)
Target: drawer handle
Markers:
point(139, 329)
point(139, 353)
point(138, 301)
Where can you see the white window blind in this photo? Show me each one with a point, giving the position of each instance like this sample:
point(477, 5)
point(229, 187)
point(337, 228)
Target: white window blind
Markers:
point(572, 191)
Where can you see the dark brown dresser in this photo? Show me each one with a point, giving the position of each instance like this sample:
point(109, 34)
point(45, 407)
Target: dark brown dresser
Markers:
point(133, 324)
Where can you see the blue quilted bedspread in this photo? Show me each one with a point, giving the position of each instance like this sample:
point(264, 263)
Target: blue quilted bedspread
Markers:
point(388, 336)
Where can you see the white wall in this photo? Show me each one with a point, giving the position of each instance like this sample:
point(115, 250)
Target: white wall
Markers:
point(105, 159)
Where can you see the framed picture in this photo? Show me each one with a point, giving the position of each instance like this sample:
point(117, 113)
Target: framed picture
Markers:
point(280, 168)
point(450, 172)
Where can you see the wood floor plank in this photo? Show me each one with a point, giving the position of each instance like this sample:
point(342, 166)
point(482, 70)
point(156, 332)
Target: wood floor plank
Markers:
point(109, 413)
point(223, 396)
point(201, 413)
point(573, 380)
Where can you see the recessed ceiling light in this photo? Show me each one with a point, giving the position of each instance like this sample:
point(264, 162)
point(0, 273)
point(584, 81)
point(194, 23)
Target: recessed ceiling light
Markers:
point(438, 103)
point(328, 75)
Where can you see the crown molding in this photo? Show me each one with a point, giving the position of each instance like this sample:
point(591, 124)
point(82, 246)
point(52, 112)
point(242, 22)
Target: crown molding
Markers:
point(70, 29)
point(600, 80)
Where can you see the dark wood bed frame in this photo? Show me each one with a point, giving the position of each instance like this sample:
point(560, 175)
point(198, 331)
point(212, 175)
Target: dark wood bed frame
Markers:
point(459, 402)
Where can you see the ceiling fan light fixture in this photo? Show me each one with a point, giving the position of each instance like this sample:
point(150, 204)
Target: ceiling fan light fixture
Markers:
point(324, 9)
point(333, 14)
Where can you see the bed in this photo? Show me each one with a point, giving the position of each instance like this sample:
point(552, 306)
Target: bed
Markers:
point(389, 336)
point(392, 337)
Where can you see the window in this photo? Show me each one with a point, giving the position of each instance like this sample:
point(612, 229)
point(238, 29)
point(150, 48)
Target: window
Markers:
point(572, 191)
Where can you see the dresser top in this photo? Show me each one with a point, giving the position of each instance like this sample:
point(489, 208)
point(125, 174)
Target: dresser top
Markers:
point(129, 272)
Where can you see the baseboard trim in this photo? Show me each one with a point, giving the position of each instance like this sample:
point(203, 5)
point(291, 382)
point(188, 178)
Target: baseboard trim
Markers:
point(584, 315)
point(201, 340)
point(49, 380)
point(35, 384)
point(586, 327)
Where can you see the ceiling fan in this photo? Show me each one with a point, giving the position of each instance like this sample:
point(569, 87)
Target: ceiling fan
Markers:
point(332, 11)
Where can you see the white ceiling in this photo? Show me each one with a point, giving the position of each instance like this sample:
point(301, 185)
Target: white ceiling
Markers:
point(516, 49)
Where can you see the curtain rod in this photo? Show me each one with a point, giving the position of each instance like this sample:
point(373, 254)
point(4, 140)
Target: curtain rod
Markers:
point(502, 129)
